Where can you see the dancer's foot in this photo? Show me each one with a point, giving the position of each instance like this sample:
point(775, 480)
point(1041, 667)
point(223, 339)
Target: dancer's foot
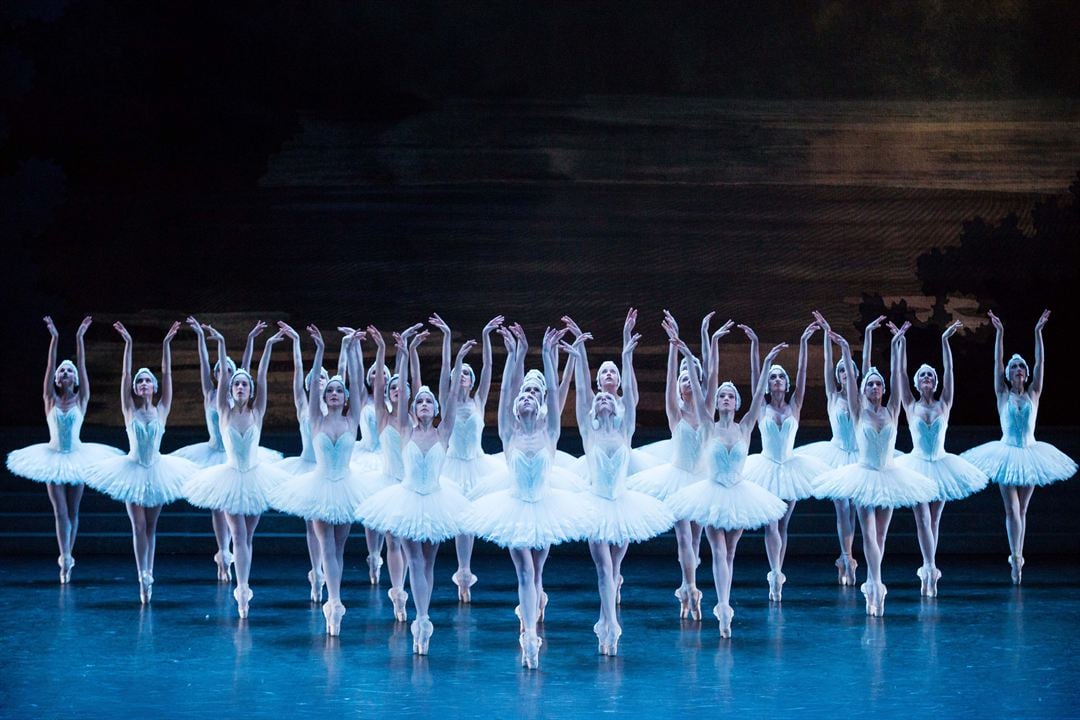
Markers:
point(421, 632)
point(724, 614)
point(316, 580)
point(333, 612)
point(776, 585)
point(243, 596)
point(399, 598)
point(614, 632)
point(530, 649)
point(852, 565)
point(923, 574)
point(875, 598)
point(223, 559)
point(600, 630)
point(1017, 564)
point(689, 602)
point(146, 587)
point(845, 569)
point(66, 562)
point(464, 580)
point(374, 563)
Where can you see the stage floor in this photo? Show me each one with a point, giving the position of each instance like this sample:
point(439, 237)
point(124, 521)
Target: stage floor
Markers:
point(983, 648)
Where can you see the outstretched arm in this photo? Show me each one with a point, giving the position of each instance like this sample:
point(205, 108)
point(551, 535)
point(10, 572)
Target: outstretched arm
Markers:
point(800, 374)
point(263, 389)
point(48, 392)
point(400, 419)
point(630, 400)
point(554, 421)
point(379, 379)
point(222, 398)
point(713, 376)
point(671, 384)
point(299, 396)
point(1000, 388)
point(1038, 372)
point(755, 353)
point(483, 385)
point(583, 396)
point(249, 347)
point(581, 361)
point(830, 382)
point(630, 341)
point(506, 394)
point(899, 368)
point(80, 362)
point(851, 387)
point(868, 343)
point(444, 371)
point(567, 377)
point(355, 377)
point(205, 376)
point(314, 395)
point(753, 412)
point(897, 379)
point(165, 402)
point(947, 365)
point(126, 401)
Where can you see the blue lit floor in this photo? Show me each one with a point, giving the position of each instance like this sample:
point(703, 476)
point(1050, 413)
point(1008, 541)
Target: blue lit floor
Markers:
point(983, 648)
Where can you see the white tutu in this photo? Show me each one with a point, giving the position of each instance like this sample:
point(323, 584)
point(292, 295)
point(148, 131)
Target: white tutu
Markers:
point(125, 479)
point(1037, 464)
point(468, 475)
point(890, 486)
point(565, 460)
point(955, 477)
point(365, 459)
point(830, 453)
point(662, 481)
point(404, 513)
point(298, 465)
point(741, 506)
point(508, 521)
point(792, 479)
point(662, 449)
point(205, 455)
point(315, 496)
point(42, 463)
point(631, 517)
point(237, 492)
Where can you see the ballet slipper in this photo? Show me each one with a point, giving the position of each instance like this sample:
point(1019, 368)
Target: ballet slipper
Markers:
point(464, 580)
point(924, 580)
point(852, 565)
point(614, 632)
point(530, 649)
point(333, 612)
point(66, 562)
point(146, 587)
point(935, 575)
point(875, 598)
point(375, 563)
point(845, 569)
point(600, 630)
point(421, 631)
point(1017, 564)
point(242, 595)
point(317, 582)
point(724, 614)
point(399, 598)
point(223, 559)
point(776, 585)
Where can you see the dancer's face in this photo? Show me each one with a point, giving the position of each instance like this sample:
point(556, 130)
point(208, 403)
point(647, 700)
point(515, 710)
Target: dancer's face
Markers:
point(241, 389)
point(144, 386)
point(604, 405)
point(526, 403)
point(334, 395)
point(65, 376)
point(425, 407)
point(777, 383)
point(1017, 374)
point(875, 389)
point(841, 374)
point(395, 387)
point(323, 379)
point(726, 400)
point(534, 390)
point(466, 381)
point(685, 388)
point(926, 380)
point(608, 376)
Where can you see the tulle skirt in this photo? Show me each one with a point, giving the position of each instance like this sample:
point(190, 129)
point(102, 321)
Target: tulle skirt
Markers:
point(741, 506)
point(237, 492)
point(1037, 464)
point(364, 459)
point(792, 479)
point(205, 455)
point(829, 453)
point(631, 517)
point(297, 465)
point(314, 496)
point(663, 481)
point(43, 464)
point(662, 449)
point(468, 475)
point(125, 479)
point(402, 512)
point(956, 478)
point(508, 521)
point(890, 486)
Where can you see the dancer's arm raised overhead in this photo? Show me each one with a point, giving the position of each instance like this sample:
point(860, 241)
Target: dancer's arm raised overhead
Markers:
point(483, 386)
point(1001, 389)
point(757, 402)
point(947, 380)
point(506, 388)
point(755, 353)
point(800, 374)
point(581, 361)
point(165, 400)
point(868, 342)
point(355, 376)
point(261, 387)
point(1037, 374)
point(206, 378)
point(582, 391)
point(80, 362)
point(700, 401)
point(713, 375)
point(630, 401)
point(444, 370)
point(567, 378)
point(629, 379)
point(897, 380)
point(830, 371)
point(671, 384)
point(899, 366)
point(851, 386)
point(300, 397)
point(249, 346)
point(314, 393)
point(222, 398)
point(379, 380)
point(48, 392)
point(127, 402)
point(553, 419)
point(449, 411)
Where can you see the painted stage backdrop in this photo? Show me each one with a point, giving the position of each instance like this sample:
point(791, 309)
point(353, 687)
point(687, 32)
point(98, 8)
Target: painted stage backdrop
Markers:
point(370, 162)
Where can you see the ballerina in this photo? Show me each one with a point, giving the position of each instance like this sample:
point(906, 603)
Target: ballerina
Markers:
point(685, 467)
point(841, 449)
point(875, 485)
point(421, 510)
point(212, 452)
point(62, 462)
point(466, 464)
point(617, 515)
point(327, 497)
point(956, 478)
point(241, 487)
point(530, 516)
point(144, 480)
point(723, 504)
point(1018, 462)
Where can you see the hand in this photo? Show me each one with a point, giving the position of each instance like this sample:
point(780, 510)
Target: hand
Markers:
point(519, 335)
point(420, 337)
point(438, 322)
point(275, 338)
point(400, 342)
point(1042, 320)
point(119, 327)
point(194, 325)
point(670, 327)
point(579, 343)
point(50, 326)
point(85, 325)
point(875, 324)
point(374, 334)
point(822, 322)
point(410, 331)
point(508, 339)
point(493, 323)
point(681, 346)
point(257, 330)
point(995, 321)
point(316, 335)
point(839, 339)
point(552, 338)
point(723, 330)
point(171, 333)
point(810, 330)
point(346, 330)
point(289, 332)
point(465, 348)
point(357, 336)
point(706, 321)
point(631, 345)
point(749, 333)
point(571, 325)
point(898, 332)
point(212, 333)
point(951, 330)
point(628, 324)
point(773, 353)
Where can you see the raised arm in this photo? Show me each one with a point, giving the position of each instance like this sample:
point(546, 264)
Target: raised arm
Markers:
point(1000, 387)
point(165, 401)
point(520, 353)
point(753, 412)
point(630, 401)
point(262, 387)
point(126, 401)
point(755, 353)
point(671, 383)
point(830, 370)
point(48, 392)
point(583, 396)
point(343, 352)
point(630, 341)
point(947, 381)
point(483, 386)
point(379, 380)
point(1039, 371)
point(249, 347)
point(356, 377)
point(400, 419)
point(868, 342)
point(567, 377)
point(206, 379)
point(897, 379)
point(222, 398)
point(851, 387)
point(444, 371)
point(449, 411)
point(899, 367)
point(414, 361)
point(314, 395)
point(706, 340)
point(581, 361)
point(506, 393)
point(554, 421)
point(299, 395)
point(80, 362)
point(800, 374)
point(701, 403)
point(713, 374)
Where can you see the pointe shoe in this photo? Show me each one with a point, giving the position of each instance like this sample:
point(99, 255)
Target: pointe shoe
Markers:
point(1017, 564)
point(935, 575)
point(66, 562)
point(374, 563)
point(689, 602)
point(146, 587)
point(845, 570)
point(614, 632)
point(464, 580)
point(333, 612)
point(724, 614)
point(317, 582)
point(852, 565)
point(776, 585)
point(530, 649)
point(223, 559)
point(421, 631)
point(929, 576)
point(600, 630)
point(841, 570)
point(618, 591)
point(399, 598)
point(243, 596)
point(875, 598)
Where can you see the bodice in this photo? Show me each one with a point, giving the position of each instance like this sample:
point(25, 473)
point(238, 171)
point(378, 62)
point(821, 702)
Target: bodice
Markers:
point(876, 446)
point(528, 473)
point(607, 470)
point(726, 464)
point(241, 448)
point(464, 441)
point(144, 441)
point(369, 429)
point(333, 456)
point(64, 427)
point(1018, 422)
point(307, 453)
point(213, 425)
point(843, 427)
point(390, 443)
point(686, 445)
point(422, 468)
point(928, 439)
point(777, 441)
